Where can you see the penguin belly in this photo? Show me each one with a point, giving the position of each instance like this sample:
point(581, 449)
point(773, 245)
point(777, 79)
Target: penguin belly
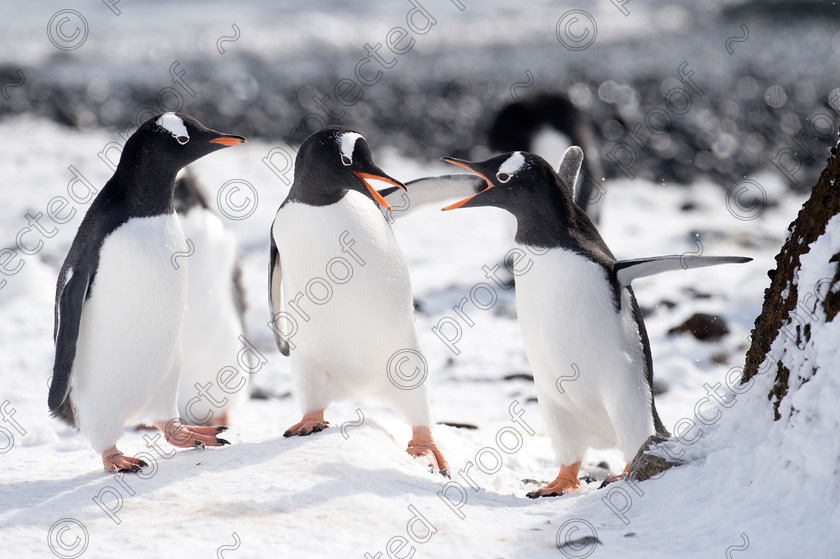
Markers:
point(587, 358)
point(347, 287)
point(129, 347)
point(212, 325)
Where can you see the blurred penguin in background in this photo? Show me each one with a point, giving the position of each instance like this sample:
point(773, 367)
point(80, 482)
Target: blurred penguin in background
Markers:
point(547, 124)
point(214, 328)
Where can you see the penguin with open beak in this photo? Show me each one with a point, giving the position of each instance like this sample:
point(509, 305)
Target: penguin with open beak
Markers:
point(340, 292)
point(581, 326)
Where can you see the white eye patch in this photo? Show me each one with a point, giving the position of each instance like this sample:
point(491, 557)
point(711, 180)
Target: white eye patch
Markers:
point(346, 144)
point(175, 126)
point(513, 164)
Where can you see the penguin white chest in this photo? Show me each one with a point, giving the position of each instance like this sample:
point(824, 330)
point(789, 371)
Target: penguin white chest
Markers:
point(347, 289)
point(586, 355)
point(128, 349)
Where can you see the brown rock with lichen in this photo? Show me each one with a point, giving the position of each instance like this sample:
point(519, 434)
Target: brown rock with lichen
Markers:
point(782, 296)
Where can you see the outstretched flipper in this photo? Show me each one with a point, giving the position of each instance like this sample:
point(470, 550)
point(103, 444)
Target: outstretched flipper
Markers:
point(275, 298)
point(430, 190)
point(628, 270)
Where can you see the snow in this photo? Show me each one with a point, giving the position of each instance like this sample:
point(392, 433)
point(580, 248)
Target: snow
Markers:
point(352, 489)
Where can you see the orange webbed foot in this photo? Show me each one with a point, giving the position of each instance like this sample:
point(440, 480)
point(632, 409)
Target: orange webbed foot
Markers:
point(189, 436)
point(312, 422)
point(115, 461)
point(566, 482)
point(422, 444)
point(612, 479)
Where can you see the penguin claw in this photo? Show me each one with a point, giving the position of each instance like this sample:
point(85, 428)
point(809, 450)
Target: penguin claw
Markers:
point(612, 479)
point(566, 482)
point(190, 436)
point(422, 444)
point(116, 462)
point(312, 422)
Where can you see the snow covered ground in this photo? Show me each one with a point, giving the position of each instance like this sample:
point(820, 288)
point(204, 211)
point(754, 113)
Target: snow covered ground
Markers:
point(352, 491)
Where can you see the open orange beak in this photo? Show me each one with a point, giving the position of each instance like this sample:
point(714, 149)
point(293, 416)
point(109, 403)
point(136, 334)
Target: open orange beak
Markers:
point(228, 140)
point(466, 166)
point(376, 196)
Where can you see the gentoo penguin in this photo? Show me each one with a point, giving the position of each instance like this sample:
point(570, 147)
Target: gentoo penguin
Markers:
point(120, 299)
point(581, 326)
point(213, 320)
point(340, 293)
point(541, 124)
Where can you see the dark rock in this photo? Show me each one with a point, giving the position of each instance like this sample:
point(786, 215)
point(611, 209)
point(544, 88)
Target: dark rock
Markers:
point(704, 327)
point(694, 294)
point(646, 465)
point(458, 425)
point(519, 376)
point(258, 393)
point(647, 311)
point(584, 543)
point(719, 358)
point(659, 387)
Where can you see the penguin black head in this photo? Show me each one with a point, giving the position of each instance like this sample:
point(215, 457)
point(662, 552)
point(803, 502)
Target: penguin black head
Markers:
point(332, 161)
point(171, 141)
point(520, 182)
point(542, 201)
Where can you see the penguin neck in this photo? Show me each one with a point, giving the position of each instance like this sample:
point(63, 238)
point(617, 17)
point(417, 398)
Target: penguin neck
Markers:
point(146, 189)
point(546, 224)
point(315, 196)
point(558, 222)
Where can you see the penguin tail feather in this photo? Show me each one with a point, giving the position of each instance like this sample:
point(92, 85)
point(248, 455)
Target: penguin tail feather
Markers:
point(66, 413)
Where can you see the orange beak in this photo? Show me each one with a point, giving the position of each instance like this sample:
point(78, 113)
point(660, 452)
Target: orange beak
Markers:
point(463, 164)
point(228, 140)
point(376, 196)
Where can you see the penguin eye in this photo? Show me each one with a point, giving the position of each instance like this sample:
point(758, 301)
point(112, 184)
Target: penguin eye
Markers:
point(182, 139)
point(503, 177)
point(346, 160)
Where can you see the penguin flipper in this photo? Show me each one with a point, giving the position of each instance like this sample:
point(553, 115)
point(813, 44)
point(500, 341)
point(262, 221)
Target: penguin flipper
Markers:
point(68, 318)
point(628, 270)
point(431, 190)
point(275, 297)
point(570, 167)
